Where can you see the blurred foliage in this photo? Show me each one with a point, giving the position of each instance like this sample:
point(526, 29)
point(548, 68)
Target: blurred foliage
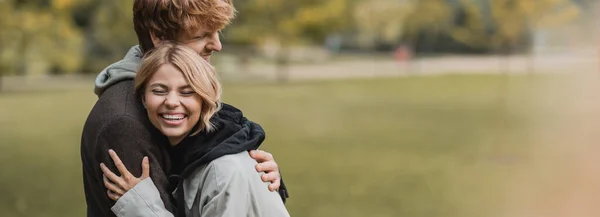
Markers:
point(109, 32)
point(485, 25)
point(510, 20)
point(379, 21)
point(63, 36)
point(68, 36)
point(39, 37)
point(288, 22)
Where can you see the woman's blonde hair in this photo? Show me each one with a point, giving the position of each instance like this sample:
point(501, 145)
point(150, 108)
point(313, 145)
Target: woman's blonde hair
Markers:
point(198, 73)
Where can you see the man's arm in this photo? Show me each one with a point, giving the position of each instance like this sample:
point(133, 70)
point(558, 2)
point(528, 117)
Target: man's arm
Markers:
point(132, 140)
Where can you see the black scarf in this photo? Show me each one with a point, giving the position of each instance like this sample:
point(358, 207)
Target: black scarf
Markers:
point(233, 134)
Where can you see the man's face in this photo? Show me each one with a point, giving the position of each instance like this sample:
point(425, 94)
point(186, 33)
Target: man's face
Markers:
point(203, 41)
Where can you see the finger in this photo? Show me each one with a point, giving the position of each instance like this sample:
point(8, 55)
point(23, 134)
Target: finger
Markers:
point(270, 177)
point(145, 168)
point(274, 178)
point(112, 187)
point(112, 177)
point(261, 156)
point(119, 164)
point(112, 195)
point(267, 166)
point(275, 186)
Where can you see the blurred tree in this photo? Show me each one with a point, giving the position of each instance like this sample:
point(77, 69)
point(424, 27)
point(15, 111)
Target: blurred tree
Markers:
point(506, 25)
point(482, 25)
point(7, 51)
point(503, 23)
point(39, 37)
point(427, 21)
point(288, 22)
point(108, 29)
point(285, 23)
point(380, 21)
point(90, 34)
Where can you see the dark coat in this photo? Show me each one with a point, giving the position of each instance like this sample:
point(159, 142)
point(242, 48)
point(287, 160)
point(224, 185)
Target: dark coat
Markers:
point(119, 121)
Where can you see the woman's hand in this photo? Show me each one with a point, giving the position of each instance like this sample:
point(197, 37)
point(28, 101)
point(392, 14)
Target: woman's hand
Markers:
point(118, 185)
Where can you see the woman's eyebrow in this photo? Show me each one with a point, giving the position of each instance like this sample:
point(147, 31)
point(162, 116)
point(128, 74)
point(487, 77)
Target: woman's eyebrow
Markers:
point(185, 87)
point(159, 85)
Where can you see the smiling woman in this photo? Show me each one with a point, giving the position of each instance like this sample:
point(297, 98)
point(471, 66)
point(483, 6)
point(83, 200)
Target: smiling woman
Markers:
point(178, 93)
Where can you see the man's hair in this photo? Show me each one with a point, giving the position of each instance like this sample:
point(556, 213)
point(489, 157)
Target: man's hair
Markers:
point(198, 73)
point(167, 18)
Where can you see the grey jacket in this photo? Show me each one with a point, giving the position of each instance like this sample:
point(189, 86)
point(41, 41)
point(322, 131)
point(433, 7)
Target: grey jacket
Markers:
point(226, 187)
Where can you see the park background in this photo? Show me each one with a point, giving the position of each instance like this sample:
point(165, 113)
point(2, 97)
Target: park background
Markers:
point(417, 108)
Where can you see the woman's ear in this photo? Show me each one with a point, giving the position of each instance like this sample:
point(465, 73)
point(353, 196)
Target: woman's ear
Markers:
point(144, 101)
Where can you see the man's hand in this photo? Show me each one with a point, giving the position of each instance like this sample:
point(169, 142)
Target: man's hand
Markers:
point(267, 164)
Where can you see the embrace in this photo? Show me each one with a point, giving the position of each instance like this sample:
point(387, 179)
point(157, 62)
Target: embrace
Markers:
point(159, 141)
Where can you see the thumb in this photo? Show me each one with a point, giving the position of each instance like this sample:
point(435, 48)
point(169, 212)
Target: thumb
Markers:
point(145, 168)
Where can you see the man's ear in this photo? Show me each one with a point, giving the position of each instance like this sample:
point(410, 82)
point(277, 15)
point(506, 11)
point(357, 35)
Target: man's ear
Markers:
point(155, 40)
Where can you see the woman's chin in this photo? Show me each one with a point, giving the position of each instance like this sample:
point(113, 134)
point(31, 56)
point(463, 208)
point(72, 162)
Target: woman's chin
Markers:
point(175, 140)
point(175, 137)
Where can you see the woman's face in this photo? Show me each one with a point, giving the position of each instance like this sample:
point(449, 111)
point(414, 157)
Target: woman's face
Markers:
point(172, 105)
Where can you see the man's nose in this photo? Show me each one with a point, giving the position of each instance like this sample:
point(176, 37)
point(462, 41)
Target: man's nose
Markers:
point(215, 43)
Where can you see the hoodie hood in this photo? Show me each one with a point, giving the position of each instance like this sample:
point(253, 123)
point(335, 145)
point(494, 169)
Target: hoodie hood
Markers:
point(233, 133)
point(122, 70)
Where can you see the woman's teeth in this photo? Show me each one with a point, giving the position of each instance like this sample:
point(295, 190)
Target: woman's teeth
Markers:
point(173, 117)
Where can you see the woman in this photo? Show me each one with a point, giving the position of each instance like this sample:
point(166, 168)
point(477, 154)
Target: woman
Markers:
point(182, 95)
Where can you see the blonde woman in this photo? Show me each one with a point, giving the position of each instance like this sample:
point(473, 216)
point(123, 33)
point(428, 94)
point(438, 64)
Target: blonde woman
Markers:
point(181, 94)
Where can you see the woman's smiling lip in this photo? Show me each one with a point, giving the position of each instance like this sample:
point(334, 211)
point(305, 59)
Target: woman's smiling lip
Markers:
point(173, 119)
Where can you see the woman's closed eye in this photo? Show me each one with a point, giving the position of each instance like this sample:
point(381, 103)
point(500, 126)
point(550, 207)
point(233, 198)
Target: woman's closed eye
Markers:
point(159, 91)
point(187, 92)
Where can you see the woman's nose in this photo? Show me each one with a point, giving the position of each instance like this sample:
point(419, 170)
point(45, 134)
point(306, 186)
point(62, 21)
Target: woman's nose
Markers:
point(172, 101)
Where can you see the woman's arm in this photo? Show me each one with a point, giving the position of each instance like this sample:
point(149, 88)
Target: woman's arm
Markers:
point(136, 197)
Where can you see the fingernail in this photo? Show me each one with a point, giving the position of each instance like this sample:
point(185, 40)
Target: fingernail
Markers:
point(145, 159)
point(101, 164)
point(110, 150)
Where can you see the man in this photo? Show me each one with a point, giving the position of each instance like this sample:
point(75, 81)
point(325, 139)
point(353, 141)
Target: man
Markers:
point(118, 121)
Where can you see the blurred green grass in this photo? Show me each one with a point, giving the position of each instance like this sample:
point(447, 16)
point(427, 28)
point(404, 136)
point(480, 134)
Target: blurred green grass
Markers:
point(416, 146)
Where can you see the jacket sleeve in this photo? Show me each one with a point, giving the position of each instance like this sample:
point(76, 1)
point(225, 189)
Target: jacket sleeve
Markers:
point(131, 140)
point(233, 188)
point(228, 192)
point(143, 200)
